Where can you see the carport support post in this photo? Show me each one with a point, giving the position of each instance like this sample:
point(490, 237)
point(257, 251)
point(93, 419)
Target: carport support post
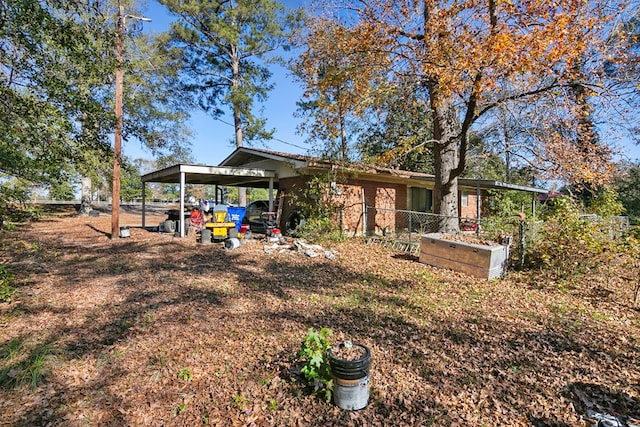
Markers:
point(182, 185)
point(144, 205)
point(478, 205)
point(533, 205)
point(270, 194)
point(364, 214)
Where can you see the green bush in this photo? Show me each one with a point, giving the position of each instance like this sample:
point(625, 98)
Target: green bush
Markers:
point(6, 284)
point(319, 208)
point(315, 368)
point(569, 242)
point(320, 229)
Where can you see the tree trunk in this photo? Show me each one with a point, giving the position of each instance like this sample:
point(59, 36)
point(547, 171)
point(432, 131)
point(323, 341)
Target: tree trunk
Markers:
point(237, 119)
point(445, 192)
point(587, 135)
point(85, 201)
point(447, 161)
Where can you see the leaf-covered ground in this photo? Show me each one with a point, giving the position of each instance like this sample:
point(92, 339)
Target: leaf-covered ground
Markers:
point(157, 330)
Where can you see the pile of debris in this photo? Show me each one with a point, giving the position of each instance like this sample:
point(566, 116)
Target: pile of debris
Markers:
point(300, 246)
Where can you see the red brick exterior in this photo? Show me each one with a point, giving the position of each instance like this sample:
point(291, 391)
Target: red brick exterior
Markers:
point(471, 209)
point(348, 198)
point(387, 198)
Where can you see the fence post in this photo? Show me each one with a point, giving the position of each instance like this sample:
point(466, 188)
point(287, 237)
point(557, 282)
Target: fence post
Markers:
point(365, 214)
point(521, 230)
point(410, 230)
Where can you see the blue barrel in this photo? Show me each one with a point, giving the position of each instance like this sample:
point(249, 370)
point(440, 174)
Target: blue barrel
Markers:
point(236, 214)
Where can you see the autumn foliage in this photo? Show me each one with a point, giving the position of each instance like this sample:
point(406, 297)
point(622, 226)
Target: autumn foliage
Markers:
point(471, 56)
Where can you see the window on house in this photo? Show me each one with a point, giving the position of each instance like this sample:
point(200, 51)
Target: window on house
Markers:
point(420, 199)
point(464, 199)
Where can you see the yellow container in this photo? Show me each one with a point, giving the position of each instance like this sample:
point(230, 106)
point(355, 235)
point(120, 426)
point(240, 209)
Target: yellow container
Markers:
point(220, 216)
point(219, 232)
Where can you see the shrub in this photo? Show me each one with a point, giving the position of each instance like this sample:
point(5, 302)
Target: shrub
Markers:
point(6, 284)
point(627, 254)
point(315, 368)
point(319, 208)
point(319, 229)
point(569, 243)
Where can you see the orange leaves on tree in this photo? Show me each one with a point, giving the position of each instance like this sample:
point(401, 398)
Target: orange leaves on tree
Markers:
point(470, 55)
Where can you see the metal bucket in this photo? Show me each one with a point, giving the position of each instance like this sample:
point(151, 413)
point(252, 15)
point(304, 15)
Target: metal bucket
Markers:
point(350, 378)
point(124, 232)
point(232, 243)
point(351, 394)
point(205, 236)
point(169, 226)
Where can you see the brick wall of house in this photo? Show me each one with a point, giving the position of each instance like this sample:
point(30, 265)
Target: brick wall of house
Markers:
point(471, 210)
point(348, 197)
point(380, 195)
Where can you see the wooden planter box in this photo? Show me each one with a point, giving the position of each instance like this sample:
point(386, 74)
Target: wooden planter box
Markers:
point(482, 261)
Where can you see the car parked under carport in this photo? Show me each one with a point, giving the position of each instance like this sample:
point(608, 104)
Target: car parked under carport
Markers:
point(258, 224)
point(253, 216)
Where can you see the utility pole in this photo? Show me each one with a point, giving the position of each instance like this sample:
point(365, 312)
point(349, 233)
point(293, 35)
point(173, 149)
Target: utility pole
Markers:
point(117, 138)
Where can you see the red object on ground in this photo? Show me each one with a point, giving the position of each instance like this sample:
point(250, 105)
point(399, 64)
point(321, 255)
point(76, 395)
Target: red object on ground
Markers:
point(196, 220)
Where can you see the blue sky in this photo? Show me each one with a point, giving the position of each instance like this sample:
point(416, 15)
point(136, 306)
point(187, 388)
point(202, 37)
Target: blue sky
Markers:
point(213, 139)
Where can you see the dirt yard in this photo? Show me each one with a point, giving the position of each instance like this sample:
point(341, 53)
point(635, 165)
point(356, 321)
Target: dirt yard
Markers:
point(154, 330)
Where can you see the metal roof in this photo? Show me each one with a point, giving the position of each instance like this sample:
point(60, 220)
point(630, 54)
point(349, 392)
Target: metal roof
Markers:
point(488, 184)
point(246, 155)
point(229, 173)
point(213, 175)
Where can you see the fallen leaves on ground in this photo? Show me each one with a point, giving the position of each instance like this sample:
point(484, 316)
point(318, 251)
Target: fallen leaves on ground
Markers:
point(119, 324)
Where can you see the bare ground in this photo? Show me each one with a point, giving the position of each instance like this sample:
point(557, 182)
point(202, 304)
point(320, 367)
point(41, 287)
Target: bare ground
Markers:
point(157, 330)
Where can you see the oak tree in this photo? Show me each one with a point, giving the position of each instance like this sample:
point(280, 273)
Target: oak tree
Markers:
point(470, 56)
point(52, 70)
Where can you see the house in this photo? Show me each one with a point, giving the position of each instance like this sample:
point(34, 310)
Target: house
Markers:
point(368, 197)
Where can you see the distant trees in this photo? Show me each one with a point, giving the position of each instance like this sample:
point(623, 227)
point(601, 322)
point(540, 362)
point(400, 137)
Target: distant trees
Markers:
point(627, 184)
point(57, 62)
point(131, 183)
point(398, 133)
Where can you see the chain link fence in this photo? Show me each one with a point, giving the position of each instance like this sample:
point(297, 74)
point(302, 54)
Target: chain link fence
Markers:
point(402, 230)
point(614, 226)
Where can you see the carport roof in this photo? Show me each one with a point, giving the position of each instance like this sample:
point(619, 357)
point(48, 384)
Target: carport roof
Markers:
point(488, 184)
point(213, 175)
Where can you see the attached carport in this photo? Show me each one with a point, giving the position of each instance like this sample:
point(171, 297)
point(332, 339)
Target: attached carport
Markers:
point(490, 184)
point(184, 174)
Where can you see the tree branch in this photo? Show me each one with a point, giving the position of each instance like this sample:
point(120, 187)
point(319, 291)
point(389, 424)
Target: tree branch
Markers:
point(516, 96)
